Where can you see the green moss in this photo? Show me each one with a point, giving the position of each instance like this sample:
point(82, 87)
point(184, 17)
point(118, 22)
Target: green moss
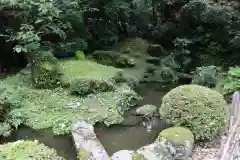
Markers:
point(56, 108)
point(137, 156)
point(80, 55)
point(27, 150)
point(135, 46)
point(83, 155)
point(177, 135)
point(77, 69)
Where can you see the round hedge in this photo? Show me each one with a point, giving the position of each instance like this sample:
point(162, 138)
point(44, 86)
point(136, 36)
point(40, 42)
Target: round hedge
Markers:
point(199, 108)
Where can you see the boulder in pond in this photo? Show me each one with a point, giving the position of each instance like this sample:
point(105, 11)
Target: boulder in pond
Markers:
point(178, 140)
point(146, 110)
point(155, 151)
point(87, 145)
point(156, 50)
point(127, 155)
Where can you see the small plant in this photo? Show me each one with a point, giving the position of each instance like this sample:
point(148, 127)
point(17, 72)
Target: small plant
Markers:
point(121, 77)
point(198, 108)
point(206, 76)
point(46, 71)
point(80, 55)
point(85, 86)
point(232, 81)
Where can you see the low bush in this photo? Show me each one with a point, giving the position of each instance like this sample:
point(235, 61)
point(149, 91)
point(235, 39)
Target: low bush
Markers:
point(46, 72)
point(85, 86)
point(120, 77)
point(206, 76)
point(231, 82)
point(27, 150)
point(199, 108)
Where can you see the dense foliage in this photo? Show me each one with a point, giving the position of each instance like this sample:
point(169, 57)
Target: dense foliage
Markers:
point(231, 82)
point(198, 108)
point(58, 107)
point(67, 26)
point(27, 150)
point(206, 76)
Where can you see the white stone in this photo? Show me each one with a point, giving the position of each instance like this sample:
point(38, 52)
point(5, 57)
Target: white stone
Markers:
point(85, 139)
point(123, 155)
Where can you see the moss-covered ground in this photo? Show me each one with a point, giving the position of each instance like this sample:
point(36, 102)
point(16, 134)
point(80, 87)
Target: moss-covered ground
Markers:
point(27, 150)
point(45, 108)
point(137, 49)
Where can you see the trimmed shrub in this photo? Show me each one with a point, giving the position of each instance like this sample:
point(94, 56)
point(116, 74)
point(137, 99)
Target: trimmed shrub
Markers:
point(199, 108)
point(46, 72)
point(120, 78)
point(85, 86)
point(33, 150)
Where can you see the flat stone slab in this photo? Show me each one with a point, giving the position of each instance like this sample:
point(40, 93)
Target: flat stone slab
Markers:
point(86, 142)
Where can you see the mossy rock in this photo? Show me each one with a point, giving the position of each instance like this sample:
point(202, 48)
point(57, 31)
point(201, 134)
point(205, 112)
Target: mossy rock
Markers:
point(84, 155)
point(178, 140)
point(147, 110)
point(27, 150)
point(177, 135)
point(138, 156)
point(124, 61)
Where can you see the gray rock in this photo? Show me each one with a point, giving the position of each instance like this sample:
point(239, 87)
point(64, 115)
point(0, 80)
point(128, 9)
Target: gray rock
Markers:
point(131, 120)
point(86, 142)
point(123, 155)
point(155, 151)
point(127, 155)
point(146, 110)
point(178, 141)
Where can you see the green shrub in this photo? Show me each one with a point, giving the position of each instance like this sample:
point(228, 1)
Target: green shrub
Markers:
point(46, 72)
point(206, 76)
point(232, 81)
point(199, 108)
point(85, 86)
point(120, 78)
point(29, 150)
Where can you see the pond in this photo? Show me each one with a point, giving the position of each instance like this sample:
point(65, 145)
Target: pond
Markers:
point(117, 137)
point(113, 138)
point(62, 144)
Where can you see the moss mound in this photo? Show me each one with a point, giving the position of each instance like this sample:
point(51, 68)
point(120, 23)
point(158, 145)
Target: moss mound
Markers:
point(57, 108)
point(198, 108)
point(85, 86)
point(177, 135)
point(27, 150)
point(135, 46)
point(74, 69)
